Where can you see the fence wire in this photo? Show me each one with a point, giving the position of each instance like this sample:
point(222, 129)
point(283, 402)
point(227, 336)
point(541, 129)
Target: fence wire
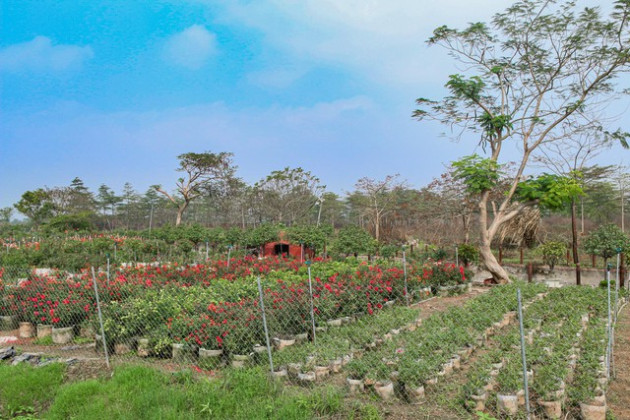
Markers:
point(368, 324)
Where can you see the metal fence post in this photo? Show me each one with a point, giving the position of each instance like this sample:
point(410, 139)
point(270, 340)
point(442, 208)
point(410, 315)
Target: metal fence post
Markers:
point(264, 319)
point(609, 323)
point(405, 276)
point(310, 294)
point(100, 319)
point(617, 285)
point(523, 357)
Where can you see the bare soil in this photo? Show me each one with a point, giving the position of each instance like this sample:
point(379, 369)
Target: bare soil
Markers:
point(618, 394)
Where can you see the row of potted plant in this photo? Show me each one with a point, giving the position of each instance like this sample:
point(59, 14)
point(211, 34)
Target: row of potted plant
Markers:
point(553, 347)
point(420, 357)
point(587, 390)
point(337, 346)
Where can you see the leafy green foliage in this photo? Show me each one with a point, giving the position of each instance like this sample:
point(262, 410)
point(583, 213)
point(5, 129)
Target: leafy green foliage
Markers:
point(83, 222)
point(35, 205)
point(354, 240)
point(261, 235)
point(478, 174)
point(468, 253)
point(463, 88)
point(495, 125)
point(312, 236)
point(552, 251)
point(606, 241)
point(549, 191)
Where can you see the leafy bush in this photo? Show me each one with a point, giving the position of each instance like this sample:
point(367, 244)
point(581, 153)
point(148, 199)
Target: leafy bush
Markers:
point(551, 252)
point(468, 253)
point(606, 241)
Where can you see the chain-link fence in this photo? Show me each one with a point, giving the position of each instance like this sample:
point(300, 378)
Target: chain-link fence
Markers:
point(212, 315)
point(527, 349)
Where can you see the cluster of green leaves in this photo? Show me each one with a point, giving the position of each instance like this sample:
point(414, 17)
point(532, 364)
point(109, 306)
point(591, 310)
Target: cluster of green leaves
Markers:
point(354, 240)
point(549, 191)
point(552, 252)
point(607, 241)
point(468, 253)
point(478, 174)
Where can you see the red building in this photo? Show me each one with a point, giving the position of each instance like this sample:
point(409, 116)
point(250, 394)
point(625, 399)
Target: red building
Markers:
point(285, 248)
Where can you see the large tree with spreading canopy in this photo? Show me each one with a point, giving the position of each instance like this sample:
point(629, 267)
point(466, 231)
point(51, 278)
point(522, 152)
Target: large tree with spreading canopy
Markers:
point(542, 71)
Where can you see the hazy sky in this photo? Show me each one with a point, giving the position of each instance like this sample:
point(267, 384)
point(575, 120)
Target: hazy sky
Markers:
point(112, 91)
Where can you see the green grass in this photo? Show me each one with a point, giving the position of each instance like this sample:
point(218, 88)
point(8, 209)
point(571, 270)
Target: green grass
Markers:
point(44, 341)
point(24, 389)
point(140, 392)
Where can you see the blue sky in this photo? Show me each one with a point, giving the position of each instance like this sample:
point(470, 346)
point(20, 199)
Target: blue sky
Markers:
point(113, 91)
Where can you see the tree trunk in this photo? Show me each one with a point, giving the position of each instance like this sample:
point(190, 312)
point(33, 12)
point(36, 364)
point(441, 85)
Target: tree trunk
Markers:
point(574, 244)
point(491, 263)
point(485, 252)
point(622, 272)
point(180, 212)
point(466, 220)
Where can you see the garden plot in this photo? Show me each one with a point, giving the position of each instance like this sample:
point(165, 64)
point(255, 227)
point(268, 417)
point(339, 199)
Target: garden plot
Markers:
point(211, 315)
point(405, 359)
point(561, 331)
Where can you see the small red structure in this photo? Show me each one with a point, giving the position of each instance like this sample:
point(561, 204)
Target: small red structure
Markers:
point(285, 248)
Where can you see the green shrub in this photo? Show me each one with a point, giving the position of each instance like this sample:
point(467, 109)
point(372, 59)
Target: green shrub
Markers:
point(551, 252)
point(468, 253)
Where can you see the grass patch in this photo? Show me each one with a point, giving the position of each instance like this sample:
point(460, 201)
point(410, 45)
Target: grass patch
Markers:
point(141, 392)
point(44, 341)
point(138, 392)
point(25, 389)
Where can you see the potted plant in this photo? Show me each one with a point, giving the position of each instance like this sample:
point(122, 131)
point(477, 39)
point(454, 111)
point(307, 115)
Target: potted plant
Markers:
point(509, 382)
point(358, 370)
point(413, 375)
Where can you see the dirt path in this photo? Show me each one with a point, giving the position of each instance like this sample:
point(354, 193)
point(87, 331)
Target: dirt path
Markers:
point(618, 394)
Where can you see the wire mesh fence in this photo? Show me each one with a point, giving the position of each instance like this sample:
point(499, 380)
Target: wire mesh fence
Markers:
point(209, 315)
point(370, 325)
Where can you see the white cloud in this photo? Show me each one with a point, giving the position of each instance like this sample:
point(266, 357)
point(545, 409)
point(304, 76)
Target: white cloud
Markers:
point(191, 48)
point(382, 40)
point(40, 54)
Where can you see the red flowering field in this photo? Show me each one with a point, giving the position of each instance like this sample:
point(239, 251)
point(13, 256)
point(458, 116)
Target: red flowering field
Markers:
point(217, 305)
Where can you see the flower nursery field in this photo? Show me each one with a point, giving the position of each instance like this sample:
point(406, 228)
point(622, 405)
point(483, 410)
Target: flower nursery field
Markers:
point(366, 330)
